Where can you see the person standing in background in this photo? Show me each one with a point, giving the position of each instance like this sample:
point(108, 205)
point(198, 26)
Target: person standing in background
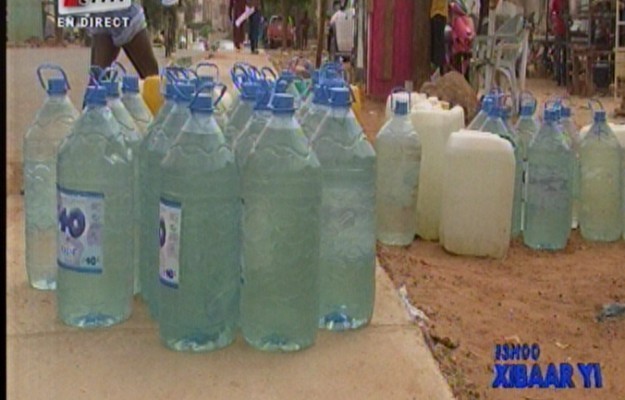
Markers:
point(254, 22)
point(237, 7)
point(438, 20)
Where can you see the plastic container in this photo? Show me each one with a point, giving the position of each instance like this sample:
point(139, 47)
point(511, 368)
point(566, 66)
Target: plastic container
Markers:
point(496, 124)
point(52, 124)
point(414, 98)
point(398, 151)
point(478, 193)
point(601, 176)
point(153, 149)
point(199, 237)
point(434, 125)
point(135, 104)
point(481, 116)
point(282, 195)
point(549, 188)
point(241, 116)
point(95, 245)
point(347, 251)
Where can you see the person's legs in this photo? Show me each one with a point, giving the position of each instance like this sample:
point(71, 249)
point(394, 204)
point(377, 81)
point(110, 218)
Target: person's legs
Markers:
point(139, 51)
point(438, 23)
point(103, 50)
point(254, 31)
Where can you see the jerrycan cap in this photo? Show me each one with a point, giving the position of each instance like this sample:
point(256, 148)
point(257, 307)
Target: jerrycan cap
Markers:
point(249, 90)
point(57, 86)
point(203, 80)
point(340, 97)
point(527, 110)
point(283, 103)
point(130, 84)
point(401, 107)
point(600, 116)
point(184, 91)
point(263, 97)
point(95, 95)
point(112, 88)
point(550, 115)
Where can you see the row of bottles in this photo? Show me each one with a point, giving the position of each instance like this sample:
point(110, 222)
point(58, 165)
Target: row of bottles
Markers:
point(263, 225)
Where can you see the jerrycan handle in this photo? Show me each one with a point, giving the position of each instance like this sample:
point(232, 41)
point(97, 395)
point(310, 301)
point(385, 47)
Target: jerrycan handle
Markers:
point(224, 88)
point(111, 78)
point(207, 87)
point(396, 90)
point(51, 67)
point(238, 78)
point(273, 74)
point(207, 65)
point(254, 74)
point(184, 96)
point(118, 66)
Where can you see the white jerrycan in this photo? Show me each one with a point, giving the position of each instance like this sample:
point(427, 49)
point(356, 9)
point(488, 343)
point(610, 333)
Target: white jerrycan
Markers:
point(400, 94)
point(477, 194)
point(434, 125)
point(619, 131)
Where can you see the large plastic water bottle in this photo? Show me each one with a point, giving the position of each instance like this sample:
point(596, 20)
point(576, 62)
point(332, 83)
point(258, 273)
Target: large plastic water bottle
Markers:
point(307, 99)
point(480, 118)
point(601, 176)
point(95, 244)
point(244, 143)
point(347, 252)
point(527, 125)
point(152, 151)
point(243, 112)
point(133, 137)
point(398, 151)
point(317, 112)
point(134, 103)
point(52, 123)
point(199, 237)
point(496, 123)
point(549, 187)
point(282, 194)
point(571, 131)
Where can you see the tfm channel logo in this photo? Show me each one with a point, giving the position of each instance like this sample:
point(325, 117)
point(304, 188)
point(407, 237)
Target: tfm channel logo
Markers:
point(84, 13)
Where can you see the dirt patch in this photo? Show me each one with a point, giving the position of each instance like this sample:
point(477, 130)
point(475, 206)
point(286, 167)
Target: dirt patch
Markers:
point(551, 299)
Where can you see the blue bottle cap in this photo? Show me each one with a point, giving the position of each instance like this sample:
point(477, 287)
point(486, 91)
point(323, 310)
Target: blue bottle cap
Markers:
point(130, 84)
point(203, 103)
point(283, 104)
point(340, 97)
point(494, 111)
point(527, 110)
point(599, 116)
point(184, 91)
point(248, 90)
point(320, 95)
point(550, 115)
point(487, 103)
point(401, 107)
point(263, 97)
point(95, 95)
point(281, 86)
point(565, 112)
point(112, 88)
point(57, 86)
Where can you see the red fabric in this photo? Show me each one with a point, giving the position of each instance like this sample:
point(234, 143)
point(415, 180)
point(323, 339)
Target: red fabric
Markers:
point(71, 3)
point(556, 10)
point(402, 68)
point(237, 7)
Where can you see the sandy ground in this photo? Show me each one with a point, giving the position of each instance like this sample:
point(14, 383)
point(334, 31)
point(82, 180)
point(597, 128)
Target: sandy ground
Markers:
point(529, 297)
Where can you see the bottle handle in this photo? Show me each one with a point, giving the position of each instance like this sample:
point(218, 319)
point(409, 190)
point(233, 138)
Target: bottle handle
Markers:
point(224, 88)
point(273, 74)
point(204, 87)
point(51, 67)
point(111, 78)
point(255, 74)
point(210, 65)
point(117, 65)
point(238, 78)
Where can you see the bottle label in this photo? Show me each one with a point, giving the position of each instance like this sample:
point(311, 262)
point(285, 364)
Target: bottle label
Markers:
point(169, 240)
point(81, 230)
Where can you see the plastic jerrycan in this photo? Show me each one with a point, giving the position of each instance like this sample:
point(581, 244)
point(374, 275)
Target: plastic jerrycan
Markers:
point(282, 195)
point(52, 124)
point(478, 191)
point(95, 188)
point(434, 125)
point(601, 180)
point(398, 151)
point(199, 274)
point(548, 205)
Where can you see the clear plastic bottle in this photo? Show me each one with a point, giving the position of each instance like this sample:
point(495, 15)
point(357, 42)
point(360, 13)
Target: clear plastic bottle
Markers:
point(133, 138)
point(347, 251)
point(282, 194)
point(549, 187)
point(220, 112)
point(95, 246)
point(496, 124)
point(398, 151)
point(200, 208)
point(526, 129)
point(152, 151)
point(241, 116)
point(317, 112)
point(571, 131)
point(168, 105)
point(481, 116)
point(52, 124)
point(133, 101)
point(601, 179)
point(308, 98)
